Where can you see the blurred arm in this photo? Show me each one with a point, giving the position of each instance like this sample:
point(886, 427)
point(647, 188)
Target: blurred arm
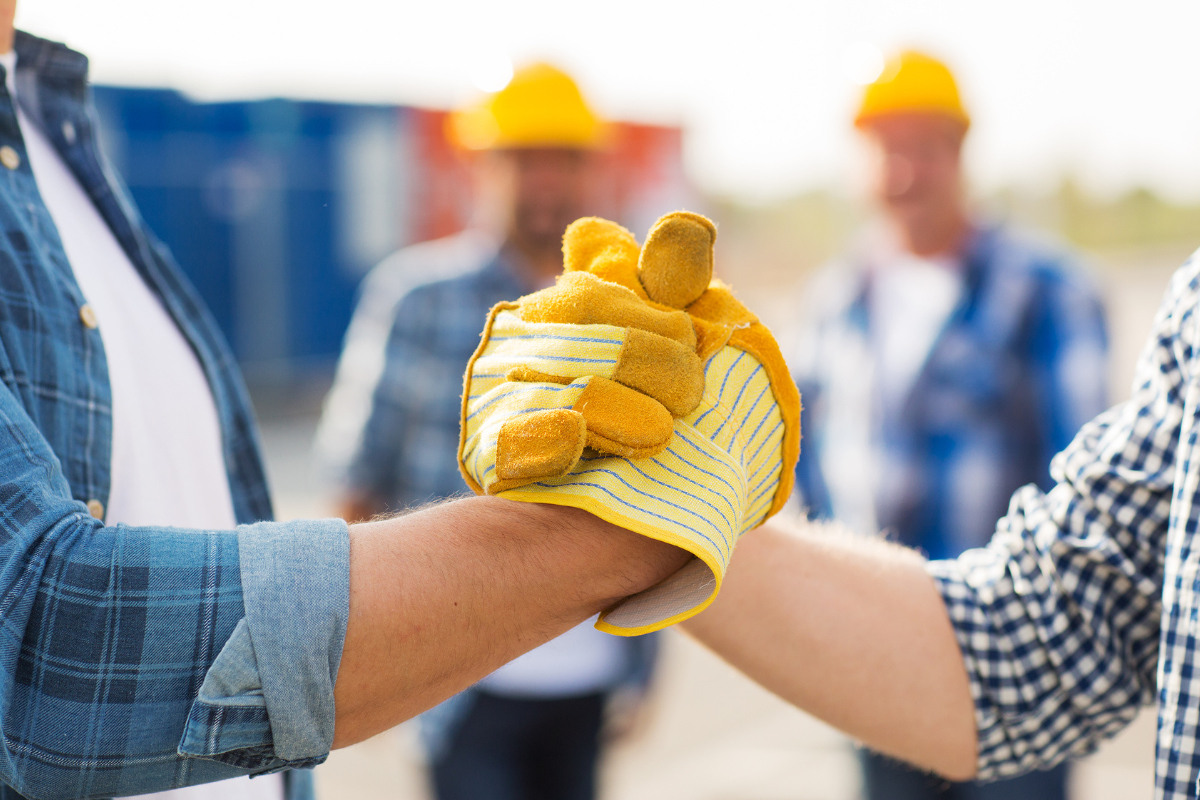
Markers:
point(852, 630)
point(441, 597)
point(364, 422)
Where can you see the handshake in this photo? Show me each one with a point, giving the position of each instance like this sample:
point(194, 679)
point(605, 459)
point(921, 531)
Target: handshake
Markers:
point(638, 389)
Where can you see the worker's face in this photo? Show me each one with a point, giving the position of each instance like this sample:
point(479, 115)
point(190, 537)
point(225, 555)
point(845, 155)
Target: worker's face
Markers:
point(542, 190)
point(915, 173)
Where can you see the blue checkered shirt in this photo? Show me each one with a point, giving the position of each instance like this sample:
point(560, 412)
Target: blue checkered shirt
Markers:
point(1084, 605)
point(134, 659)
point(1017, 367)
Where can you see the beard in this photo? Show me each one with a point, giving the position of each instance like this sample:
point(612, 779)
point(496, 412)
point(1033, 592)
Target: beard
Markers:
point(540, 227)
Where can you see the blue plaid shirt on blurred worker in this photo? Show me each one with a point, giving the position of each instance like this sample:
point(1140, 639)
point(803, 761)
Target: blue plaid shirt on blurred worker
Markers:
point(390, 426)
point(1012, 361)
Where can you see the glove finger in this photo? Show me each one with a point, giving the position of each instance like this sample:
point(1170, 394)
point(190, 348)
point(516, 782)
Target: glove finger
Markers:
point(565, 351)
point(537, 445)
point(514, 433)
point(668, 371)
point(676, 263)
point(583, 298)
point(620, 420)
point(604, 249)
point(663, 369)
point(623, 422)
point(520, 432)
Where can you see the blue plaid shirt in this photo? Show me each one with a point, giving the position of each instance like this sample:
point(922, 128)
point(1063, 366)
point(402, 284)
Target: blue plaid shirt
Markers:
point(134, 659)
point(1084, 605)
point(1018, 366)
point(390, 427)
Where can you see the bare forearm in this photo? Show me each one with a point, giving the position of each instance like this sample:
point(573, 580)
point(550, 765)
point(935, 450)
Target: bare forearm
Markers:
point(854, 632)
point(441, 597)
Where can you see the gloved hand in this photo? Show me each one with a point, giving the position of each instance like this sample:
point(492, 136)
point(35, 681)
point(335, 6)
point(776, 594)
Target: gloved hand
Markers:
point(639, 391)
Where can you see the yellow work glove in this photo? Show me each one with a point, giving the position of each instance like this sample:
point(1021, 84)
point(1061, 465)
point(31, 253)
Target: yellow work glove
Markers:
point(639, 389)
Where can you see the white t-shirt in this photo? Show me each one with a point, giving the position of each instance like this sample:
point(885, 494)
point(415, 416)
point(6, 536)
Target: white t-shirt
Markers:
point(912, 298)
point(581, 661)
point(167, 464)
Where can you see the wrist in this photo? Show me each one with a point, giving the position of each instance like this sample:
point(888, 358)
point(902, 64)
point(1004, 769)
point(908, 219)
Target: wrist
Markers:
point(606, 563)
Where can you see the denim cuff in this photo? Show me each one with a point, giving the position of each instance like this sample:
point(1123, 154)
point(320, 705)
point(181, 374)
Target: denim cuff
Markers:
point(267, 700)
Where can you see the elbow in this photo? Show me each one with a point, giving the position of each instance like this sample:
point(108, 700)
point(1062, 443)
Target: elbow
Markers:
point(960, 761)
point(959, 770)
point(953, 763)
point(949, 754)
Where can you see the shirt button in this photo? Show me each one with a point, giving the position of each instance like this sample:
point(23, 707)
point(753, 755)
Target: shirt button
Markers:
point(68, 132)
point(87, 316)
point(95, 508)
point(9, 157)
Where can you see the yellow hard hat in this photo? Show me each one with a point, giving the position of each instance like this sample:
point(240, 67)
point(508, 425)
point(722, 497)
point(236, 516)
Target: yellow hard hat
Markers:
point(912, 82)
point(540, 107)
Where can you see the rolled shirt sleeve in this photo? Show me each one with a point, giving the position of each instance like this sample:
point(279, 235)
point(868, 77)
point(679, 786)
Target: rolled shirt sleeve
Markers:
point(267, 701)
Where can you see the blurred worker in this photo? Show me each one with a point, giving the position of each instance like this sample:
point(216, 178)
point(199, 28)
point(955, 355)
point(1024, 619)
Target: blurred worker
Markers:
point(945, 361)
point(158, 630)
point(390, 429)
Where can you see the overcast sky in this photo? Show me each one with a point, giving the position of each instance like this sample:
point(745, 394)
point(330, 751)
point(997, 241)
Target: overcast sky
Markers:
point(1105, 89)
